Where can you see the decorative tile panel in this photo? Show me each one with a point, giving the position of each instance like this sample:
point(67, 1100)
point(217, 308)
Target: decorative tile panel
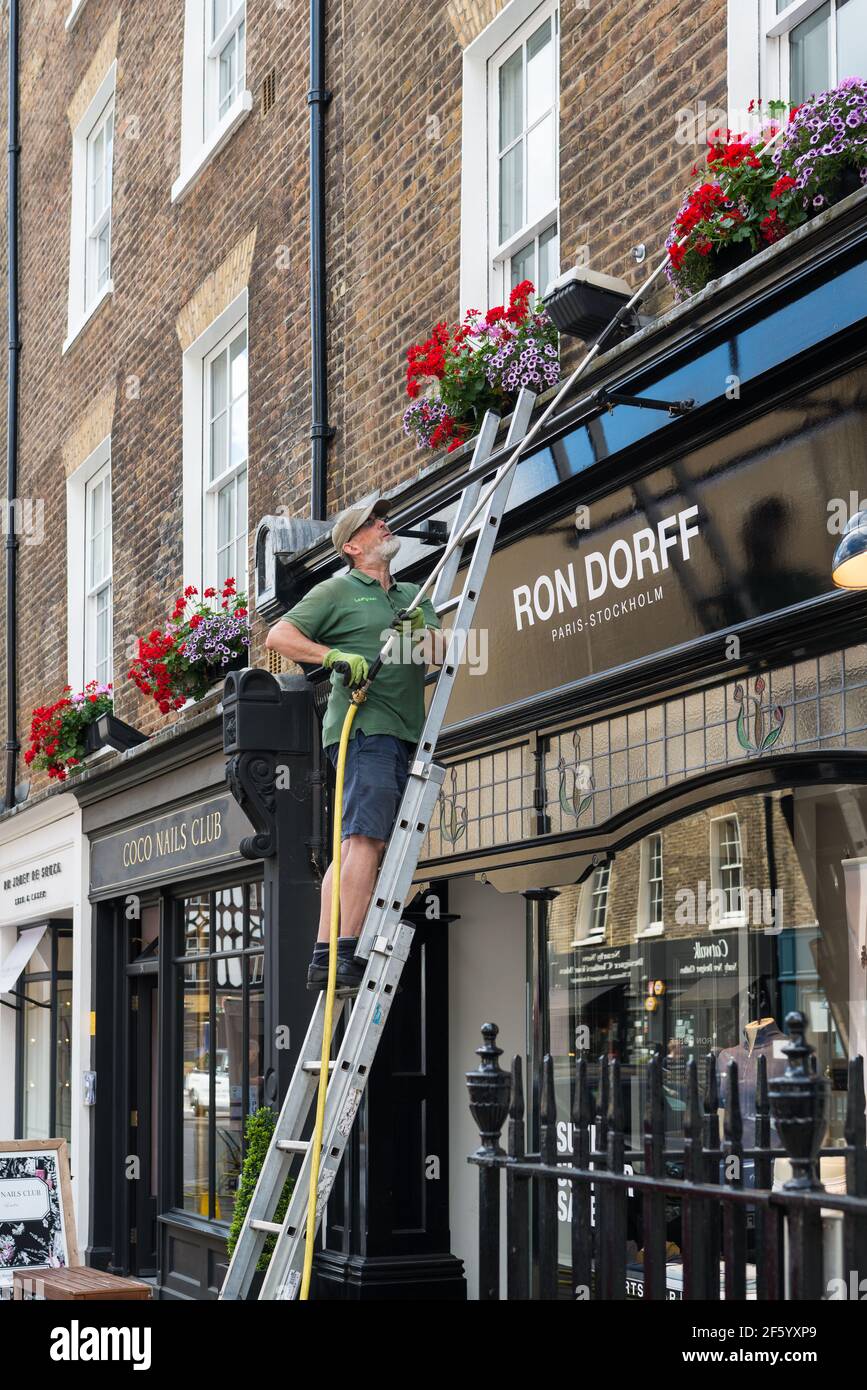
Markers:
point(596, 770)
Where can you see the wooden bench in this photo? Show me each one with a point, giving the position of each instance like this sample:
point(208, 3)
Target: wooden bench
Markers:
point(79, 1283)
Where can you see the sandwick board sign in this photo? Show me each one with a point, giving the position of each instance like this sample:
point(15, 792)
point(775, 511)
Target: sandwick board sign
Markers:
point(37, 1225)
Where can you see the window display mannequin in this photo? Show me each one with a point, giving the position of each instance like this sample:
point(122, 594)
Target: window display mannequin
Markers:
point(762, 1037)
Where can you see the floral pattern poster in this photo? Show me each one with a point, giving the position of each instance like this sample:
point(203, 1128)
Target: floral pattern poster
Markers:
point(32, 1230)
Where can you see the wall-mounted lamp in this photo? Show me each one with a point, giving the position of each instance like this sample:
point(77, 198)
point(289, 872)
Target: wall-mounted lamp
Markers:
point(849, 566)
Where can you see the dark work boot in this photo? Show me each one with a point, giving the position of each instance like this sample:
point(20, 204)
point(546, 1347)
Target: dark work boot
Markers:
point(317, 973)
point(350, 972)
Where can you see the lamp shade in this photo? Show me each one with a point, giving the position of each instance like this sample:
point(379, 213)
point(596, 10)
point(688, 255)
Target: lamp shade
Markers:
point(849, 566)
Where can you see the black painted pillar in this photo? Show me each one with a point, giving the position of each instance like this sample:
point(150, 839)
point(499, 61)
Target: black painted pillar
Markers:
point(271, 732)
point(387, 1233)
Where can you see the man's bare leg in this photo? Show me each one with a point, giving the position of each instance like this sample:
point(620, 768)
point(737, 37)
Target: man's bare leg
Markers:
point(360, 861)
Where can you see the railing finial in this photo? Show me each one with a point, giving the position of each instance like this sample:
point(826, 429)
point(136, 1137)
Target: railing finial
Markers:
point(799, 1105)
point(490, 1091)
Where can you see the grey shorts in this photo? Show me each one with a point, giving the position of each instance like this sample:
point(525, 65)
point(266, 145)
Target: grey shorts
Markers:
point(377, 766)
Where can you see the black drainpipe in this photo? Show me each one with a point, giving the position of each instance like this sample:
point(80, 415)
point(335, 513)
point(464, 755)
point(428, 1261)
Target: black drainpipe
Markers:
point(318, 98)
point(14, 149)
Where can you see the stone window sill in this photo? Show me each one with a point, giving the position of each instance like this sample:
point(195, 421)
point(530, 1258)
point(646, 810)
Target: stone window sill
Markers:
point(235, 116)
point(105, 292)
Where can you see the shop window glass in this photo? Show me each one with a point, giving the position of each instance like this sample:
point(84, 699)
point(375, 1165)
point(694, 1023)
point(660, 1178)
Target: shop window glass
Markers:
point(37, 1060)
point(223, 1042)
point(768, 905)
point(45, 1039)
point(196, 1086)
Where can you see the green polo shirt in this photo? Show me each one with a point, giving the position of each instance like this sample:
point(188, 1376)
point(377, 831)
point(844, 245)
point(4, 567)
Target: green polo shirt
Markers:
point(352, 612)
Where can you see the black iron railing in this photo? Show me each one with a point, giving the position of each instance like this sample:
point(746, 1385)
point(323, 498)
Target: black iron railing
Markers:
point(728, 1228)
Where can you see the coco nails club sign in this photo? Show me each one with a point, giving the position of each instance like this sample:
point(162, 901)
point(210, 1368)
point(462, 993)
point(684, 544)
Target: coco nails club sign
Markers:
point(735, 531)
point(202, 835)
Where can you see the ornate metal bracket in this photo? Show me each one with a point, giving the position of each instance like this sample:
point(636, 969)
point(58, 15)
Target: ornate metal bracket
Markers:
point(251, 778)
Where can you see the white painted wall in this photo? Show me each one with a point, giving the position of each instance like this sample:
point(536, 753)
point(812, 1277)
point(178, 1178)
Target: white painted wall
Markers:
point(487, 984)
point(52, 829)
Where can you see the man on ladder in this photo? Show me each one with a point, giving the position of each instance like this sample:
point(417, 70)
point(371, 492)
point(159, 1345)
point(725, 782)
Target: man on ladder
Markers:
point(342, 624)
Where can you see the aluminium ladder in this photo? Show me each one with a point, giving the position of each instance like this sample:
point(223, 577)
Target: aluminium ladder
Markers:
point(385, 940)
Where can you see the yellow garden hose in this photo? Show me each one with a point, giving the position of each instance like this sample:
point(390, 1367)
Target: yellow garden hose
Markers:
point(316, 1141)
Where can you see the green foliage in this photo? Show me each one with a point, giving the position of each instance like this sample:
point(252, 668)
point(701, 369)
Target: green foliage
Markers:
point(258, 1132)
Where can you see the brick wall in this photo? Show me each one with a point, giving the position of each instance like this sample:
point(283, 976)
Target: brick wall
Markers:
point(393, 213)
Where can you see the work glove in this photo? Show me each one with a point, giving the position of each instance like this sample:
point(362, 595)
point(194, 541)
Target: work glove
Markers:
point(414, 623)
point(357, 665)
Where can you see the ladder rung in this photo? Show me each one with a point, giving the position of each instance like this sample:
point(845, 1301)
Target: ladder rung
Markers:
point(432, 677)
point(293, 1146)
point(449, 605)
point(316, 1066)
point(273, 1228)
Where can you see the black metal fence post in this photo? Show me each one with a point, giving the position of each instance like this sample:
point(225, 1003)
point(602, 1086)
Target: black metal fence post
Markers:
point(693, 1222)
point(711, 1146)
point(799, 1105)
point(734, 1217)
point(546, 1192)
point(489, 1087)
point(582, 1230)
point(769, 1239)
point(855, 1227)
point(517, 1196)
point(653, 1205)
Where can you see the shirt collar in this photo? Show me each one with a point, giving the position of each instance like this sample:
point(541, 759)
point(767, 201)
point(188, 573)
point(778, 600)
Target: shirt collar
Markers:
point(368, 579)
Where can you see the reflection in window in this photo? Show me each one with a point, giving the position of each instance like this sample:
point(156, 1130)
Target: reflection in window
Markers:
point(729, 868)
point(717, 985)
point(654, 880)
point(599, 900)
point(223, 1051)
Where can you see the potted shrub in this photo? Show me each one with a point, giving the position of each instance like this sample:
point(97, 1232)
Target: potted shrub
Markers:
point(258, 1132)
point(478, 365)
point(824, 147)
point(196, 648)
point(59, 733)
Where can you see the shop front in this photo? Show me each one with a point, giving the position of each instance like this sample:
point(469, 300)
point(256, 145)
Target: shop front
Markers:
point(652, 832)
point(178, 1000)
point(44, 963)
point(656, 792)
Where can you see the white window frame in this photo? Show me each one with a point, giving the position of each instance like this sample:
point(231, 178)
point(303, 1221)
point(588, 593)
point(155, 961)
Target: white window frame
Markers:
point(231, 475)
point(483, 276)
point(202, 138)
point(81, 308)
point(722, 920)
point(584, 933)
point(758, 53)
point(199, 528)
point(98, 222)
point(79, 630)
point(95, 589)
point(648, 924)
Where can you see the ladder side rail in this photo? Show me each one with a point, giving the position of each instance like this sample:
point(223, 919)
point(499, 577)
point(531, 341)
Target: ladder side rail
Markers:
point(484, 445)
point(416, 809)
point(464, 615)
point(276, 1164)
point(343, 1097)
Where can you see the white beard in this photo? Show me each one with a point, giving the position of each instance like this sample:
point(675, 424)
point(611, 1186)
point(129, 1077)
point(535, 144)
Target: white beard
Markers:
point(387, 549)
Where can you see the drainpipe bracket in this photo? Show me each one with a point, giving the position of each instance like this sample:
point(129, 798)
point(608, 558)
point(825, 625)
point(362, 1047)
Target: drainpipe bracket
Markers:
point(319, 94)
